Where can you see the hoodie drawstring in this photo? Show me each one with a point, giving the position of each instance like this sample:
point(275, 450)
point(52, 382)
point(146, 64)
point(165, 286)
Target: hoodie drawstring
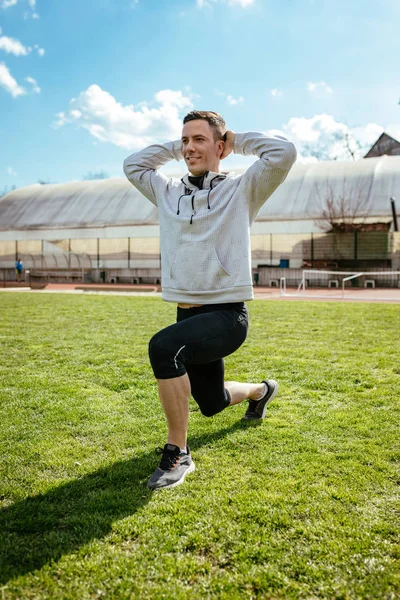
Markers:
point(194, 212)
point(208, 199)
point(211, 187)
point(187, 192)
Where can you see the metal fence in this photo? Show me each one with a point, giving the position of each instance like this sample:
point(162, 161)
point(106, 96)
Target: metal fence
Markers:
point(309, 249)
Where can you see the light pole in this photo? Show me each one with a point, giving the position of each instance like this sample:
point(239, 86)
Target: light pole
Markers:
point(393, 204)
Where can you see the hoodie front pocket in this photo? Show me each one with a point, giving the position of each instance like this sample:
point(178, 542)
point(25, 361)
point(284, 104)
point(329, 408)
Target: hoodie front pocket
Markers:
point(196, 267)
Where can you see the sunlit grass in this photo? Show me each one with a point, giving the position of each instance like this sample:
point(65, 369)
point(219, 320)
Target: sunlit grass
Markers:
point(303, 505)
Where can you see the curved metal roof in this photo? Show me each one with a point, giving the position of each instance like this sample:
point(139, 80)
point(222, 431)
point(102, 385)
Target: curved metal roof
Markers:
point(114, 202)
point(78, 204)
point(367, 185)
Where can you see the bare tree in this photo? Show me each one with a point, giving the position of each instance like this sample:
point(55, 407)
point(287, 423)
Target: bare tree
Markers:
point(345, 144)
point(342, 209)
point(322, 150)
point(352, 145)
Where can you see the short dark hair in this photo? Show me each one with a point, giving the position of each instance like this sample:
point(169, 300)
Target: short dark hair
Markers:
point(213, 119)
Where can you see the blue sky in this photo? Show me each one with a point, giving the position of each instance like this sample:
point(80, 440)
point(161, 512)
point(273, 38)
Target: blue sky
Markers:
point(83, 83)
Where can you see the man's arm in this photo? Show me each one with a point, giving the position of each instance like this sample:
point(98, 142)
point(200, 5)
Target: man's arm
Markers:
point(142, 167)
point(276, 157)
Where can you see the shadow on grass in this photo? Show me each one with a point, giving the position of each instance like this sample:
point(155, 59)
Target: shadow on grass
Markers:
point(43, 528)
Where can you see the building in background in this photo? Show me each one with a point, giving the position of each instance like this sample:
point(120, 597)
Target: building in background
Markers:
point(329, 214)
point(385, 144)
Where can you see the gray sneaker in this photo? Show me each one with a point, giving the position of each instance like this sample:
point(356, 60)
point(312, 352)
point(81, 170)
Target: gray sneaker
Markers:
point(258, 408)
point(173, 468)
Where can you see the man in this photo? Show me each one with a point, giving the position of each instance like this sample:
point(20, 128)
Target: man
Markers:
point(19, 267)
point(205, 221)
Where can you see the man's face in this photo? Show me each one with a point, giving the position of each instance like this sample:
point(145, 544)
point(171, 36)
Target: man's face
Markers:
point(199, 149)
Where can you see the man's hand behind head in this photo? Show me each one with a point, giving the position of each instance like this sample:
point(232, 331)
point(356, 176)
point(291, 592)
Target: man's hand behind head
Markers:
point(229, 142)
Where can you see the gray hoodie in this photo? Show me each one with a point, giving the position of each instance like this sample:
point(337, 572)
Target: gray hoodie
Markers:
point(205, 233)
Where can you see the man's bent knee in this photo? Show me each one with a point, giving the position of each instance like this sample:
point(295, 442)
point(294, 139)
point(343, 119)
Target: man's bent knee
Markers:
point(164, 354)
point(213, 408)
point(210, 412)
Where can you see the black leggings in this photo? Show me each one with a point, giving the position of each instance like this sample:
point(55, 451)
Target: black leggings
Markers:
point(196, 345)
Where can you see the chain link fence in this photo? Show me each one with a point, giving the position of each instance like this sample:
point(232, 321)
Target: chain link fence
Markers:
point(130, 258)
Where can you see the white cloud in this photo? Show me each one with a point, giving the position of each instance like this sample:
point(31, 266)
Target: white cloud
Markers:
point(8, 3)
point(34, 84)
point(32, 5)
point(323, 138)
point(276, 93)
point(242, 3)
point(231, 100)
point(12, 46)
point(367, 134)
point(310, 130)
point(40, 51)
point(8, 82)
point(128, 127)
point(320, 88)
point(11, 171)
point(61, 119)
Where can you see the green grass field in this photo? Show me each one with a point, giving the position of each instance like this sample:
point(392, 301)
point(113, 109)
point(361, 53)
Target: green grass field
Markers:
point(304, 504)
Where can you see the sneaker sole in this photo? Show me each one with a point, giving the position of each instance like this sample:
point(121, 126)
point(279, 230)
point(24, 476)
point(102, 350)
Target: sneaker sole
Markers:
point(180, 481)
point(274, 393)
